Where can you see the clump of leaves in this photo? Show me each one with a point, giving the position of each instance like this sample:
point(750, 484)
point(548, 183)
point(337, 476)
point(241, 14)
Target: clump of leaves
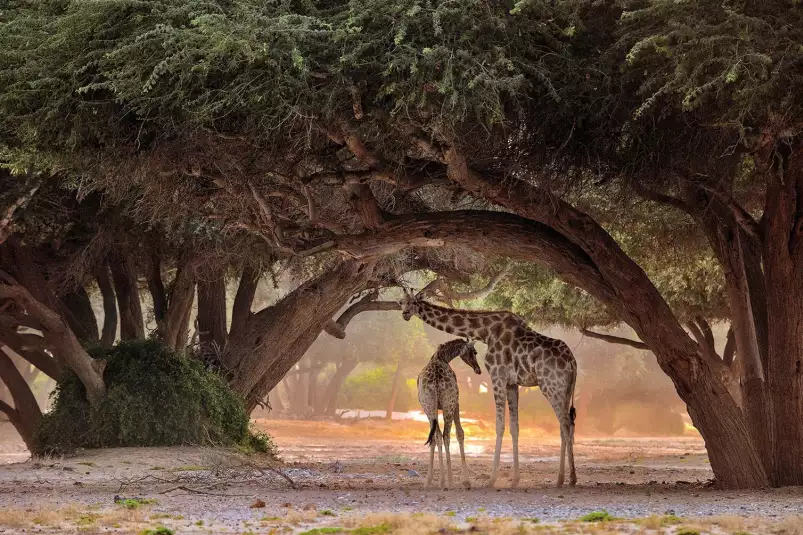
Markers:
point(327, 512)
point(155, 397)
point(321, 531)
point(687, 531)
point(597, 516)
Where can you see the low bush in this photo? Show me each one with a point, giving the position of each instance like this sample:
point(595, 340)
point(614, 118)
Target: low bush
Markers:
point(154, 397)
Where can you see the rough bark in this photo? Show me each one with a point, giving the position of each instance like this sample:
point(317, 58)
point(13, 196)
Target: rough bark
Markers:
point(179, 308)
point(246, 290)
point(274, 339)
point(25, 415)
point(59, 339)
point(106, 287)
point(80, 316)
point(31, 347)
point(593, 261)
point(783, 258)
point(212, 312)
point(132, 326)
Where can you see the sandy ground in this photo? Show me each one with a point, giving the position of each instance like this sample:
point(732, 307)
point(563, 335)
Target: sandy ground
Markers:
point(343, 473)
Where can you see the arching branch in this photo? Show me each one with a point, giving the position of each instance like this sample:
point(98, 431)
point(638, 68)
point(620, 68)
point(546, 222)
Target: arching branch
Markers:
point(337, 328)
point(612, 339)
point(440, 289)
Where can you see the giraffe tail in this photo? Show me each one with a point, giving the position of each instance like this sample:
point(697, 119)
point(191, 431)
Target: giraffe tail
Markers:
point(433, 428)
point(572, 411)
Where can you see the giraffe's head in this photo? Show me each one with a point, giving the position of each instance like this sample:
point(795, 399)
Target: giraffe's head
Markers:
point(462, 348)
point(409, 304)
point(469, 356)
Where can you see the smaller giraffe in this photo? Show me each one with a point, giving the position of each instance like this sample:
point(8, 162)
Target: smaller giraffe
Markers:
point(437, 389)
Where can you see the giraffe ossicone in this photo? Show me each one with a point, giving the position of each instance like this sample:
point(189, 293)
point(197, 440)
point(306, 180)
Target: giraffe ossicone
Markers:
point(517, 356)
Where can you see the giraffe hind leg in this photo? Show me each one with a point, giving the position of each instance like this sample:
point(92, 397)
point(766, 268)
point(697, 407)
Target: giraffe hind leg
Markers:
point(447, 431)
point(561, 408)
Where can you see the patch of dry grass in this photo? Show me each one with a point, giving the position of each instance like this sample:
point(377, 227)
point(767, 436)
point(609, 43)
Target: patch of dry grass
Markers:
point(67, 517)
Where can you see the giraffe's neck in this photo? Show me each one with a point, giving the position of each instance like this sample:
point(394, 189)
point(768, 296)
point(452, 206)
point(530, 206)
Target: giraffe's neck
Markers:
point(471, 324)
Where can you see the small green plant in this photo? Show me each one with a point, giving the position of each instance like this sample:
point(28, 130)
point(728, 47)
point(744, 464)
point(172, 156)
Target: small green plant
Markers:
point(471, 519)
point(327, 512)
point(481, 510)
point(379, 529)
point(321, 531)
point(532, 520)
point(269, 519)
point(597, 516)
point(348, 508)
point(450, 513)
point(160, 530)
point(199, 522)
point(135, 503)
point(687, 531)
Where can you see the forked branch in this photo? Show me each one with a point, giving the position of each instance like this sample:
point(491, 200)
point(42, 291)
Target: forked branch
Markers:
point(612, 339)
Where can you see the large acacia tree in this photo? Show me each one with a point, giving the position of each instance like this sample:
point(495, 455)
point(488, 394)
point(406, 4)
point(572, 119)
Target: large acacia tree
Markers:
point(348, 132)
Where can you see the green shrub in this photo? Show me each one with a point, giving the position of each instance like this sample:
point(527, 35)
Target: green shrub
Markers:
point(154, 397)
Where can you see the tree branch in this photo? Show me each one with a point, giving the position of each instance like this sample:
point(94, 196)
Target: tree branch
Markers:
point(337, 328)
point(661, 198)
point(8, 217)
point(742, 216)
point(440, 289)
point(612, 339)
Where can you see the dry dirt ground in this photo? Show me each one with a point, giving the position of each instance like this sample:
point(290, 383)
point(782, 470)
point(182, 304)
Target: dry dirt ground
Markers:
point(367, 478)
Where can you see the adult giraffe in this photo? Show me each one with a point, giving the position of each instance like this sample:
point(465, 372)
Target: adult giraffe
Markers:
point(517, 356)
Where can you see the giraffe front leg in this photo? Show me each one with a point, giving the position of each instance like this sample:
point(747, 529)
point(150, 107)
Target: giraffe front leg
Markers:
point(447, 431)
point(500, 396)
point(513, 409)
point(460, 439)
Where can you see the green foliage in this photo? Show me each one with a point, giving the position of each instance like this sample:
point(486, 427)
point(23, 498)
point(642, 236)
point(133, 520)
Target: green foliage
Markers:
point(136, 503)
point(154, 398)
point(597, 516)
point(160, 530)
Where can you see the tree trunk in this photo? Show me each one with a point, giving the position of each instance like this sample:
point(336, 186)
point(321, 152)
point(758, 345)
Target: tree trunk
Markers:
point(25, 415)
point(132, 326)
point(212, 313)
point(783, 258)
point(241, 309)
point(397, 381)
point(106, 287)
point(80, 316)
point(179, 308)
point(156, 288)
point(329, 398)
point(274, 339)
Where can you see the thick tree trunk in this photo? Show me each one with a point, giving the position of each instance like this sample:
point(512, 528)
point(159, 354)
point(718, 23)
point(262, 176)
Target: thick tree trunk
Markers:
point(274, 339)
point(241, 309)
point(25, 415)
point(132, 326)
point(106, 287)
point(783, 258)
point(80, 316)
point(212, 313)
point(394, 391)
point(179, 308)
